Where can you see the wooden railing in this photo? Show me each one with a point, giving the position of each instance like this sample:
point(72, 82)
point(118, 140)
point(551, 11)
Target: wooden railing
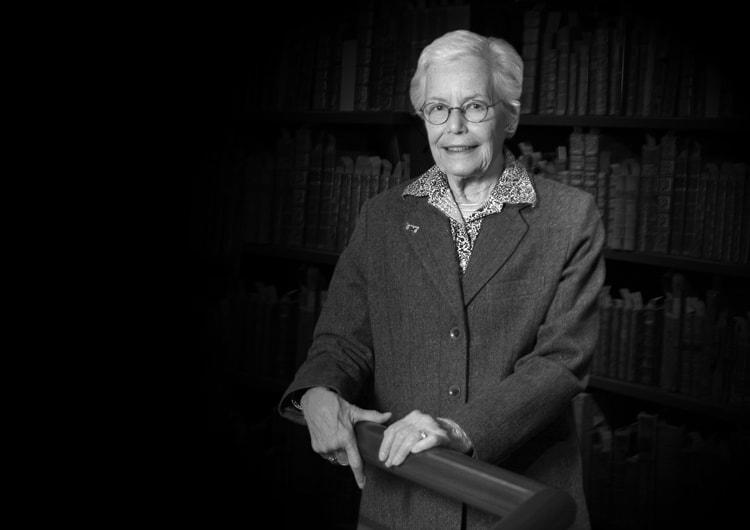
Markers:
point(521, 503)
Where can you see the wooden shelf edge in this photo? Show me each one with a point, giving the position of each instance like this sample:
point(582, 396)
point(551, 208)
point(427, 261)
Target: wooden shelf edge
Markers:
point(296, 254)
point(727, 412)
point(678, 262)
point(532, 120)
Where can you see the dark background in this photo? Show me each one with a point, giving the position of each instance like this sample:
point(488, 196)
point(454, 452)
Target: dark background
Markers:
point(218, 454)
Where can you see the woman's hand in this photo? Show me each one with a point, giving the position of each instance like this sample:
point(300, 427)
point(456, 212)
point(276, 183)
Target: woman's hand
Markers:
point(330, 420)
point(417, 432)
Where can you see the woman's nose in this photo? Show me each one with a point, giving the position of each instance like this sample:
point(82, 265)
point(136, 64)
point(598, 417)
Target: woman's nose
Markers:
point(456, 121)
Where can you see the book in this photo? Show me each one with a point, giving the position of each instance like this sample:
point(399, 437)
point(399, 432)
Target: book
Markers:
point(284, 176)
point(295, 221)
point(688, 83)
point(330, 187)
point(679, 203)
point(646, 449)
point(726, 193)
point(647, 200)
point(618, 44)
point(674, 307)
point(632, 69)
point(583, 52)
point(348, 76)
point(694, 198)
point(744, 243)
point(307, 311)
point(664, 184)
point(604, 307)
point(312, 194)
point(653, 329)
point(532, 22)
point(741, 213)
point(616, 203)
point(625, 337)
point(636, 343)
point(562, 47)
point(670, 440)
point(345, 167)
point(710, 180)
point(364, 32)
point(623, 491)
point(613, 366)
point(600, 69)
point(548, 67)
point(630, 193)
point(648, 59)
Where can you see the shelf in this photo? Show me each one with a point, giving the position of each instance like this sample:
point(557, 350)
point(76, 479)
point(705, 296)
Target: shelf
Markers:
point(656, 395)
point(678, 262)
point(624, 122)
point(331, 117)
point(296, 254)
point(530, 120)
point(660, 260)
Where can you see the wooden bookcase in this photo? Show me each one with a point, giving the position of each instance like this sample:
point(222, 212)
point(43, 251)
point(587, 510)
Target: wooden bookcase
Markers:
point(242, 264)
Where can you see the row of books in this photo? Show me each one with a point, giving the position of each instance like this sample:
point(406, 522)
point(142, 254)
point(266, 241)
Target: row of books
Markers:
point(617, 65)
point(655, 473)
point(574, 63)
point(362, 59)
point(308, 193)
point(679, 342)
point(671, 198)
point(265, 332)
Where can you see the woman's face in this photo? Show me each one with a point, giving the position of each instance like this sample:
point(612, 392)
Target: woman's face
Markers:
point(461, 148)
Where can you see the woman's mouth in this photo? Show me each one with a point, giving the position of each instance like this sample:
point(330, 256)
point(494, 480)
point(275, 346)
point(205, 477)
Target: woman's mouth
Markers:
point(459, 148)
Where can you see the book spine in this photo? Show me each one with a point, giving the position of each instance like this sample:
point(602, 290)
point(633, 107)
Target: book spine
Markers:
point(729, 219)
point(679, 204)
point(710, 178)
point(648, 196)
point(694, 197)
point(584, 65)
point(312, 195)
point(532, 21)
point(600, 56)
point(665, 182)
point(740, 213)
point(365, 21)
point(563, 70)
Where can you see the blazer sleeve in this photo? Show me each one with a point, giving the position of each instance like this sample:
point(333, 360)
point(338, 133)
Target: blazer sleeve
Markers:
point(340, 356)
point(546, 379)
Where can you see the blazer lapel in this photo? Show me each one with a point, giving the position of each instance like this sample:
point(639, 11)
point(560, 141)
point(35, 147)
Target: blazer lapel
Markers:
point(499, 237)
point(428, 232)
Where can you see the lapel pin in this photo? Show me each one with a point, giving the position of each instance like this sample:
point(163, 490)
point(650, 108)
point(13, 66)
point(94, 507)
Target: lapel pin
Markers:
point(411, 228)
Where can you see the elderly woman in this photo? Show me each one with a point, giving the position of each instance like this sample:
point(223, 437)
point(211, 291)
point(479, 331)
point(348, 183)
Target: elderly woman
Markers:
point(463, 311)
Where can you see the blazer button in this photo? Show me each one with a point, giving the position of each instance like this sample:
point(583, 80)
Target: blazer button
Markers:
point(455, 333)
point(453, 391)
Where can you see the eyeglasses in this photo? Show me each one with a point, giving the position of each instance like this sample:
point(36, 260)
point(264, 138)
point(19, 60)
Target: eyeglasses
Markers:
point(438, 113)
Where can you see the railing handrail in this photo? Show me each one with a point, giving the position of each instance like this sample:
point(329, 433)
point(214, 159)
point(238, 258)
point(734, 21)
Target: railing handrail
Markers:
point(520, 502)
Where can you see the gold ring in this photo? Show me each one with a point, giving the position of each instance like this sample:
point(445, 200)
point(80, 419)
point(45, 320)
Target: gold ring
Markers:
point(422, 435)
point(332, 459)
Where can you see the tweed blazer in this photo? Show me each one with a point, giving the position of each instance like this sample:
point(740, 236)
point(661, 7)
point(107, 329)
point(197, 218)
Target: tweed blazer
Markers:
point(501, 349)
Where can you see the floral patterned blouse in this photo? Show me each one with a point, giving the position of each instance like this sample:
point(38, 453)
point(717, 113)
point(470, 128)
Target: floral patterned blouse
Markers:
point(513, 186)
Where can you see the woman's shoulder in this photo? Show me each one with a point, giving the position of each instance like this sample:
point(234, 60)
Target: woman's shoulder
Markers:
point(559, 191)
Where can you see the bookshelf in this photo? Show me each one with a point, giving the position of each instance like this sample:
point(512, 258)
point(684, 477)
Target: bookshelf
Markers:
point(260, 115)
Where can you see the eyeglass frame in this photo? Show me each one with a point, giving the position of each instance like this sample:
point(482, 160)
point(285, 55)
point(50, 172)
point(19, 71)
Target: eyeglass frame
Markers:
point(461, 109)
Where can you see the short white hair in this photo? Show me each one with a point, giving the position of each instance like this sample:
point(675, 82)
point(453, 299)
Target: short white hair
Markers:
point(505, 64)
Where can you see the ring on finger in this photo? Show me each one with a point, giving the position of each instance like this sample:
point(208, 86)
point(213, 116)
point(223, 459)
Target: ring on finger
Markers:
point(422, 435)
